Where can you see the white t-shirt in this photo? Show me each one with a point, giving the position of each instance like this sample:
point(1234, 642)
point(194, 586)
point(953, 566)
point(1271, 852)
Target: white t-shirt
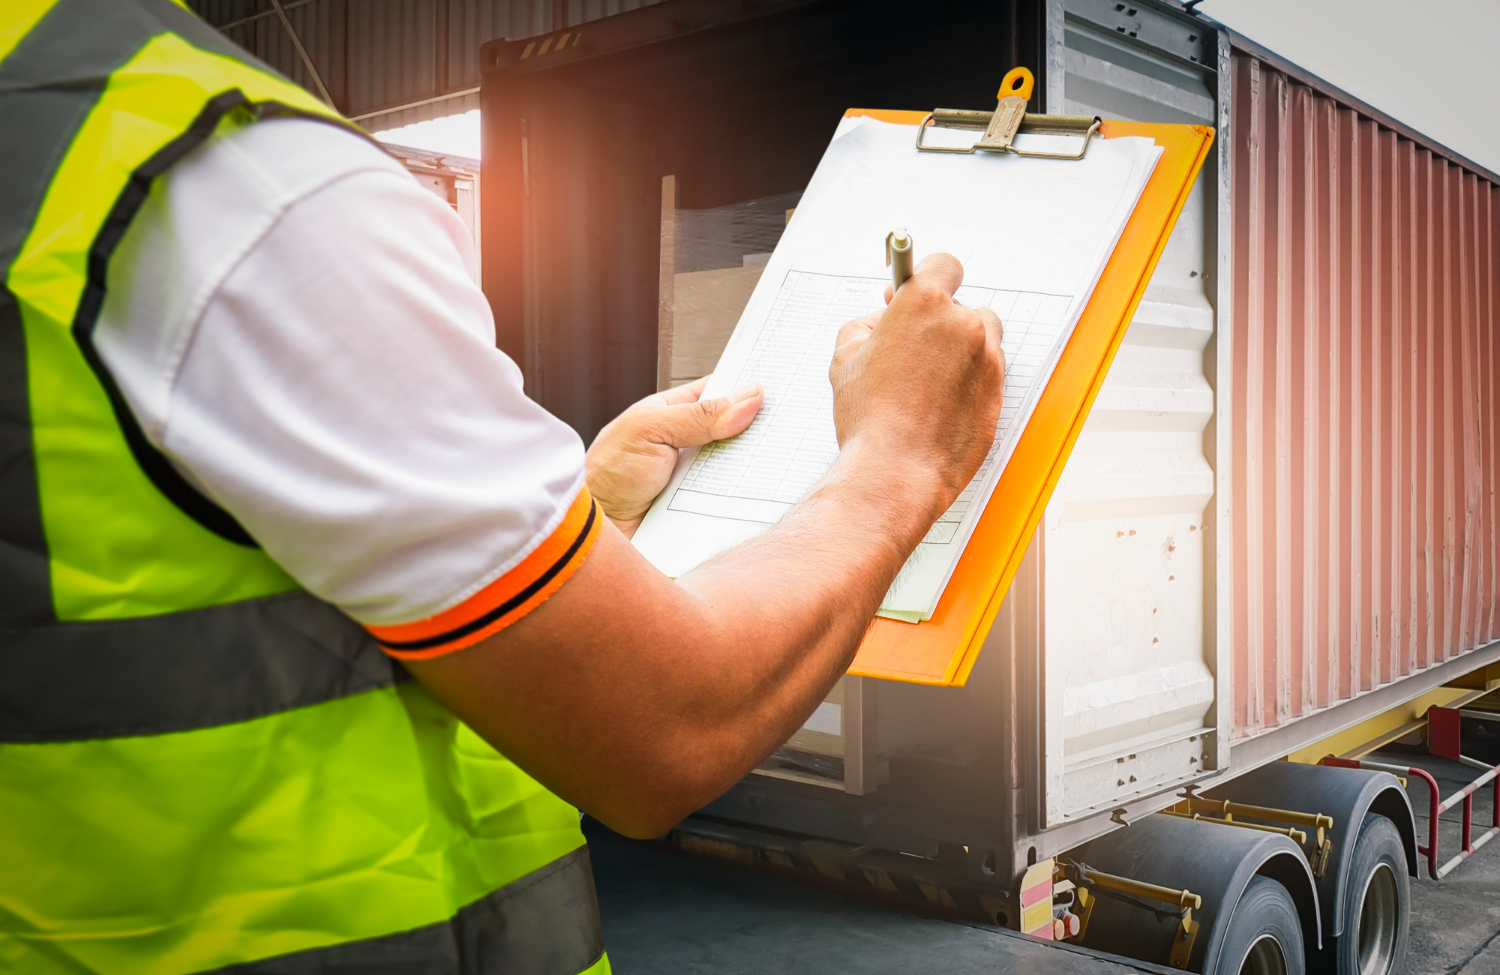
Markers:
point(294, 322)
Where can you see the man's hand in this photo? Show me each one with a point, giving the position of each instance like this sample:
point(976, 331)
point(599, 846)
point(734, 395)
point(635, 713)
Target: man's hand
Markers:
point(631, 460)
point(922, 380)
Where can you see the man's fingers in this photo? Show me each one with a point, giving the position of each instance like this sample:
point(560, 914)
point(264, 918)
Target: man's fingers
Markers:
point(992, 324)
point(859, 328)
point(704, 421)
point(939, 271)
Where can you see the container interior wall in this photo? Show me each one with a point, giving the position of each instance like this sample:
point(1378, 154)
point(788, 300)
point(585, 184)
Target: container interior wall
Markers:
point(1365, 419)
point(1131, 685)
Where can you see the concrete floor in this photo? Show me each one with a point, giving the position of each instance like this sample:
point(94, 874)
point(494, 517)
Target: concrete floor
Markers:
point(669, 912)
point(1455, 923)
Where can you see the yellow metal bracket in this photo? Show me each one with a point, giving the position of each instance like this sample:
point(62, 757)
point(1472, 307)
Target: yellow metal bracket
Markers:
point(1295, 835)
point(1182, 945)
point(1223, 812)
point(1085, 900)
point(1184, 900)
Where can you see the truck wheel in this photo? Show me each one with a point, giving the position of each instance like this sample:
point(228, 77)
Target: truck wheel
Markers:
point(1377, 902)
point(1264, 935)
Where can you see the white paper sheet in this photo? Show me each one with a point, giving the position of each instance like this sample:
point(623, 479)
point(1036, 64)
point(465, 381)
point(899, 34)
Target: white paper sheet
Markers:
point(1033, 235)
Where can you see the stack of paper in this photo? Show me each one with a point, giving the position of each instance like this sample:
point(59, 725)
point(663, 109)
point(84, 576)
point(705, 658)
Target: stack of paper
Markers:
point(1033, 235)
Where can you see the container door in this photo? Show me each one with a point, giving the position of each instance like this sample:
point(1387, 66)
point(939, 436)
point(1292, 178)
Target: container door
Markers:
point(1127, 542)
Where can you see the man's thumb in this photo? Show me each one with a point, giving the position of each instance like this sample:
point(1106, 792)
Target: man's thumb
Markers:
point(707, 420)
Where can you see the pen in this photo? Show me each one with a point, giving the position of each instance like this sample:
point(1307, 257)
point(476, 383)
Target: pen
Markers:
point(898, 256)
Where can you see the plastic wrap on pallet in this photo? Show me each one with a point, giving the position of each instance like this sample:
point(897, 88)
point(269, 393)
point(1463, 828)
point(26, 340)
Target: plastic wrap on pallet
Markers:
point(721, 237)
point(716, 257)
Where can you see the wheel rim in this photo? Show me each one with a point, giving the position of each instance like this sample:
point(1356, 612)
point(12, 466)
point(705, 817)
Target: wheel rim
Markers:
point(1377, 922)
point(1265, 957)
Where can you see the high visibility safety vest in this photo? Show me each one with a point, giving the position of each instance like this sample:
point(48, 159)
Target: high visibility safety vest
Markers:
point(202, 766)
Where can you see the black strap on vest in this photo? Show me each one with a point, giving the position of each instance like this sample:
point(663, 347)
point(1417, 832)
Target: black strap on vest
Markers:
point(151, 460)
point(198, 668)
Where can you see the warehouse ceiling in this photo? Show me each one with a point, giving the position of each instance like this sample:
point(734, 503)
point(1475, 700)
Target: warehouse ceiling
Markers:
point(388, 63)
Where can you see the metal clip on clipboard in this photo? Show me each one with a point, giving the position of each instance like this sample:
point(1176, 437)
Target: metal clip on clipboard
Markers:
point(1010, 117)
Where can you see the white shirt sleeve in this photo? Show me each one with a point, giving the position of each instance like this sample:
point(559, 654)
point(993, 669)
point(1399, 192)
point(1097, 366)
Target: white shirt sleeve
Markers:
point(294, 322)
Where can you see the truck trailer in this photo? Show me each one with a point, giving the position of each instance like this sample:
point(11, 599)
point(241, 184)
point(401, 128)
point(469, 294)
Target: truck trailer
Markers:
point(1278, 524)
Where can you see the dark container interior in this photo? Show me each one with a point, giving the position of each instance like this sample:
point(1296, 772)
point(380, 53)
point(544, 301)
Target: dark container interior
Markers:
point(737, 99)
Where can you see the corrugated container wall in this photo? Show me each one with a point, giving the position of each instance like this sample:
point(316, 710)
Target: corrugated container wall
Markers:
point(1365, 426)
point(389, 63)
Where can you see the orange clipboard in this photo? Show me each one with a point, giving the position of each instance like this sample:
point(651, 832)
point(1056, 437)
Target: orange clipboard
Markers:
point(942, 650)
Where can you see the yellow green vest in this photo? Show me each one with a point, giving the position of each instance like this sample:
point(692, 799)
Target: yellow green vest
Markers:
point(201, 765)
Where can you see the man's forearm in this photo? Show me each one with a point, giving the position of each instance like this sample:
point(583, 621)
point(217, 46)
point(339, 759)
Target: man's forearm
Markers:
point(809, 588)
point(639, 698)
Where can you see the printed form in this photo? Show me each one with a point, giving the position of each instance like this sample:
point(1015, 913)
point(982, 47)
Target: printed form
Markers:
point(1033, 235)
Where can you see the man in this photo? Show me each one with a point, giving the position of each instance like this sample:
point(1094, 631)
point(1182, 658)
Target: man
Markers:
point(255, 432)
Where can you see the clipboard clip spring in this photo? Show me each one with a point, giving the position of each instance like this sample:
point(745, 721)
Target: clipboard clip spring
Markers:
point(1007, 120)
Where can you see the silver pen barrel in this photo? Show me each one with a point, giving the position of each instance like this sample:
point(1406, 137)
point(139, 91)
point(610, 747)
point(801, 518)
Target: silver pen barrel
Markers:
point(898, 256)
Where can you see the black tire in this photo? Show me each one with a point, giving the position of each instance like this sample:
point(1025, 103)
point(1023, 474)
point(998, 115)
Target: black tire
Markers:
point(1377, 903)
point(1264, 935)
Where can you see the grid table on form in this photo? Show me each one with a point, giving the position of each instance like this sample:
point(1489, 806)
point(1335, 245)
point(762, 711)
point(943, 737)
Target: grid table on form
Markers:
point(770, 466)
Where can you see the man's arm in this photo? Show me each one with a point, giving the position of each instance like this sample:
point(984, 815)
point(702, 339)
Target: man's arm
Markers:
point(348, 407)
point(639, 698)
